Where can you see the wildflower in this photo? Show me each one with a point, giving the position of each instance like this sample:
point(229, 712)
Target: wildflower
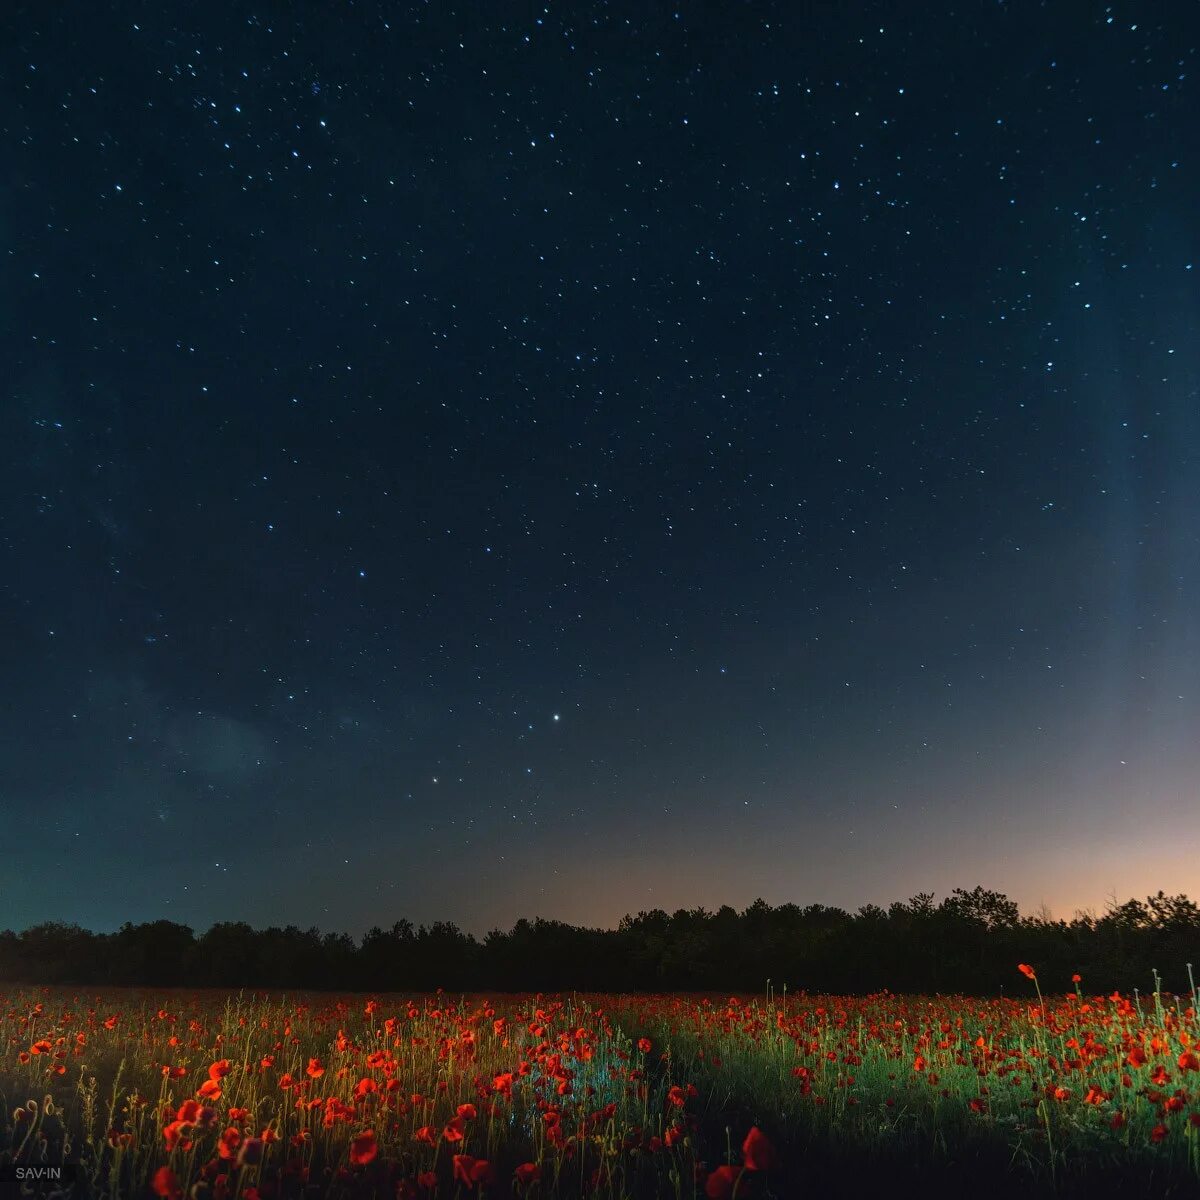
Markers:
point(527, 1173)
point(175, 1133)
point(721, 1183)
point(251, 1152)
point(757, 1152)
point(1027, 970)
point(230, 1140)
point(363, 1147)
point(166, 1183)
point(315, 1068)
point(472, 1171)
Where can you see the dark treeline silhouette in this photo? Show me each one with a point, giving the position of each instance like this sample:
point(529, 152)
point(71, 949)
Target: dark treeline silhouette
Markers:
point(969, 942)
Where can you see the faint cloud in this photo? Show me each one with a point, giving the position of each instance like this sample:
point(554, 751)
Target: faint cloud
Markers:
point(214, 744)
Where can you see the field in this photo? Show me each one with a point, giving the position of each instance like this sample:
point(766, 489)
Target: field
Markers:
point(219, 1096)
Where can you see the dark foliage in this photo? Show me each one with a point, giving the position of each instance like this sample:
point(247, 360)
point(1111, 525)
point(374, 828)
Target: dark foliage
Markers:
point(969, 942)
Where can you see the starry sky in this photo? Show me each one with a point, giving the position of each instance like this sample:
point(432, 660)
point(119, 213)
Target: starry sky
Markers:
point(469, 462)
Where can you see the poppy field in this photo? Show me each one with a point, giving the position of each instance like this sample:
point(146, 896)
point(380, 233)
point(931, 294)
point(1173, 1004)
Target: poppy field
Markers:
point(257, 1096)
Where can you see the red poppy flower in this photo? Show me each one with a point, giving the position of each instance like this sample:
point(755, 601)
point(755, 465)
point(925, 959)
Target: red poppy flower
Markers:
point(230, 1140)
point(526, 1173)
point(720, 1184)
point(472, 1171)
point(251, 1152)
point(757, 1152)
point(363, 1147)
point(166, 1183)
point(174, 1134)
point(1027, 970)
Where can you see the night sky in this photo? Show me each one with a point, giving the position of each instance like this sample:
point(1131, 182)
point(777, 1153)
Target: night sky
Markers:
point(479, 461)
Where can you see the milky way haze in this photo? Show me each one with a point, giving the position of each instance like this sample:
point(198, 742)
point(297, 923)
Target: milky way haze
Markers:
point(486, 461)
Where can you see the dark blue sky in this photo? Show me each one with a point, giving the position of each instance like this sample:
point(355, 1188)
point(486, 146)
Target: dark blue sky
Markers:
point(575, 459)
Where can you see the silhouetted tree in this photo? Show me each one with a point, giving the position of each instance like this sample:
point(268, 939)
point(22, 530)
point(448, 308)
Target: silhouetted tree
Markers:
point(970, 942)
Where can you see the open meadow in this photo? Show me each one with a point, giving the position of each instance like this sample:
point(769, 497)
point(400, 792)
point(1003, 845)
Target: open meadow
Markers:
point(220, 1096)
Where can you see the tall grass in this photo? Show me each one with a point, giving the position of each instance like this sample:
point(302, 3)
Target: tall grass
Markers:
point(262, 1096)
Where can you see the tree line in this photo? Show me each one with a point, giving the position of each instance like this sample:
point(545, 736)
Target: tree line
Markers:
point(969, 942)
